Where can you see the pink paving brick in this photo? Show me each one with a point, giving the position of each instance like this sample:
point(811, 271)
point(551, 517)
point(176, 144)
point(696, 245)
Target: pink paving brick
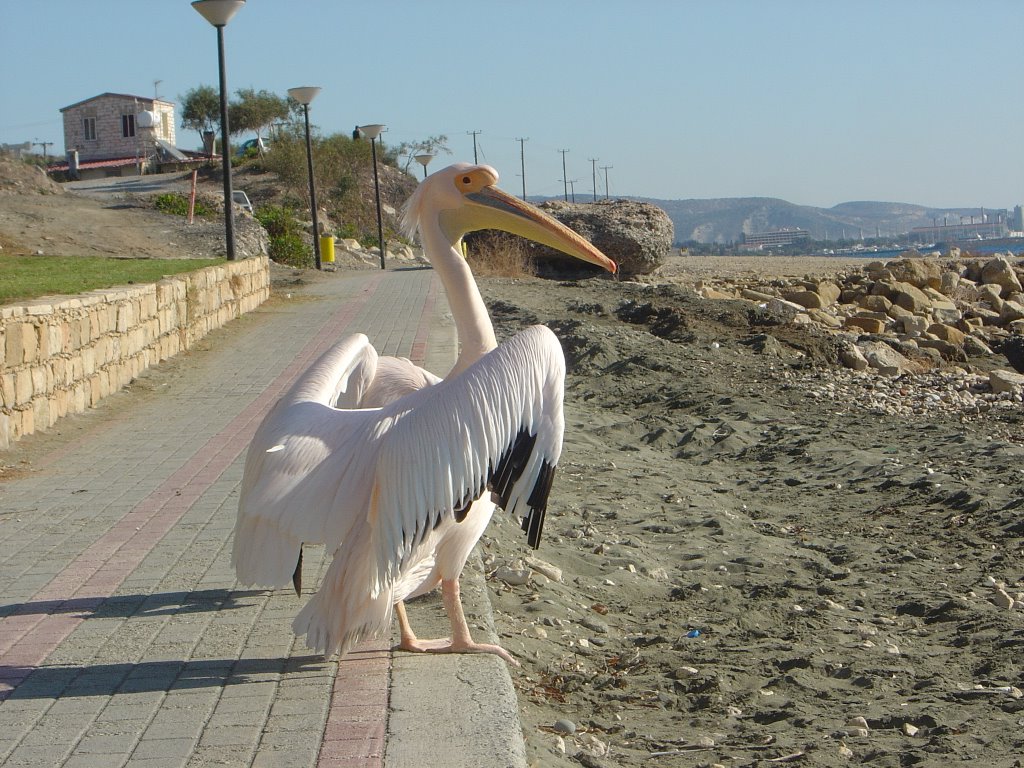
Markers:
point(354, 731)
point(367, 748)
point(115, 554)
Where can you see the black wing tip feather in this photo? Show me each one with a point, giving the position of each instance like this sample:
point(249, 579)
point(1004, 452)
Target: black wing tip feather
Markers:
point(509, 469)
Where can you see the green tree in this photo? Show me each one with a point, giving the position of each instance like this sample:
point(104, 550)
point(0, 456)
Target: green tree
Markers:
point(255, 111)
point(432, 145)
point(200, 110)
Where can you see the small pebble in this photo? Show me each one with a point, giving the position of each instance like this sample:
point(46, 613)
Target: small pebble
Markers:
point(910, 730)
point(515, 577)
point(1003, 600)
point(682, 673)
point(567, 727)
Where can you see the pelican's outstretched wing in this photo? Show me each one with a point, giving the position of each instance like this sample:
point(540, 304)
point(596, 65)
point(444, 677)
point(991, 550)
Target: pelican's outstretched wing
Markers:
point(275, 510)
point(395, 377)
point(498, 425)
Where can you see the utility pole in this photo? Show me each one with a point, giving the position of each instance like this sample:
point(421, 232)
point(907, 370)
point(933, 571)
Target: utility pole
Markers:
point(565, 175)
point(522, 162)
point(593, 168)
point(572, 188)
point(605, 169)
point(44, 145)
point(474, 135)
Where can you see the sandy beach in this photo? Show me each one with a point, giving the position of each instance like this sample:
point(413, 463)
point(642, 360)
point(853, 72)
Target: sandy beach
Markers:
point(741, 567)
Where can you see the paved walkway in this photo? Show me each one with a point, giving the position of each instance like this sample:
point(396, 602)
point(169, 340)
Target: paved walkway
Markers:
point(124, 638)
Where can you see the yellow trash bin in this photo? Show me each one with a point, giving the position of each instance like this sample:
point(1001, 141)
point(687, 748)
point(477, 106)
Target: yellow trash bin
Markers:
point(327, 249)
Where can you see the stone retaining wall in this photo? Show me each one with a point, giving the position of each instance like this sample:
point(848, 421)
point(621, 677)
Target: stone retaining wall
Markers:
point(61, 355)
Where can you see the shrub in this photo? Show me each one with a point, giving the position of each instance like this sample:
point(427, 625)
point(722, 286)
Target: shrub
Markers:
point(176, 204)
point(287, 240)
point(499, 254)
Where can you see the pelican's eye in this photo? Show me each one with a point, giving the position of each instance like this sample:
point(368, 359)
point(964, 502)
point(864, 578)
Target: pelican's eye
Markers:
point(474, 179)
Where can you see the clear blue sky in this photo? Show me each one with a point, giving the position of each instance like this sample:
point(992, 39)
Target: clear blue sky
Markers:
point(814, 101)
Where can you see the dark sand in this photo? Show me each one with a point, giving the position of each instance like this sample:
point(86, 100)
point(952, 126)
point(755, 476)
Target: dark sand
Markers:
point(836, 563)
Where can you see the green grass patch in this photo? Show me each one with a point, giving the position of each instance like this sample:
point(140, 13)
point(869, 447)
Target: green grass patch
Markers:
point(29, 277)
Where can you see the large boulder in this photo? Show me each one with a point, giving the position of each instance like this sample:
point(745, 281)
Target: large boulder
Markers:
point(636, 235)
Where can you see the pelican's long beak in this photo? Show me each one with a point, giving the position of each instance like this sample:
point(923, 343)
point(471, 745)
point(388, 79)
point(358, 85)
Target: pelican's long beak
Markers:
point(496, 209)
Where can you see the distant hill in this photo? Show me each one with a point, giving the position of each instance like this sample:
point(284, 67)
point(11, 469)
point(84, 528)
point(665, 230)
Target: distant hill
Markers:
point(725, 220)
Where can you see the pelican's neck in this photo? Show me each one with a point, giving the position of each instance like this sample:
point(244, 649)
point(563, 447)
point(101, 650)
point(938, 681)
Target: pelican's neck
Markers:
point(472, 323)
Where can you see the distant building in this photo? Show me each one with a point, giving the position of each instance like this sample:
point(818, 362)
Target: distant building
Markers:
point(117, 134)
point(779, 237)
point(1018, 218)
point(964, 230)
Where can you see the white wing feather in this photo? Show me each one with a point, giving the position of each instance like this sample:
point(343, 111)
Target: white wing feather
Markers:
point(454, 435)
point(279, 507)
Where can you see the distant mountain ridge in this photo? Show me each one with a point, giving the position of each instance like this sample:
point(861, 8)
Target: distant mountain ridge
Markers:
point(726, 220)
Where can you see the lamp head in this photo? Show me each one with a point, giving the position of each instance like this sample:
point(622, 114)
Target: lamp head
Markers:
point(371, 131)
point(305, 94)
point(218, 12)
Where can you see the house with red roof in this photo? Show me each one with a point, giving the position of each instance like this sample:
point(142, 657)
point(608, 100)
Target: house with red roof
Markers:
point(118, 134)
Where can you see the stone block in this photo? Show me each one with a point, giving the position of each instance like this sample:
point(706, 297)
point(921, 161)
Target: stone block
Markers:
point(1010, 312)
point(1006, 381)
point(829, 292)
point(947, 333)
point(876, 303)
point(806, 299)
point(8, 390)
point(867, 324)
point(22, 387)
point(910, 297)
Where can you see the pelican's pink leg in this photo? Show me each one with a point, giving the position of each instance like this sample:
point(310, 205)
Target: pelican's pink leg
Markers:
point(461, 640)
point(409, 641)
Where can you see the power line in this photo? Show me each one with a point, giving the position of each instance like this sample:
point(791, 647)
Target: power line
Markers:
point(593, 167)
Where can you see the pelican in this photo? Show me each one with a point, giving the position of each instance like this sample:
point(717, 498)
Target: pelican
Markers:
point(388, 465)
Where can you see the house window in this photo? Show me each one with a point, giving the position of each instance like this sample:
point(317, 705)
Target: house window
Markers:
point(127, 125)
point(89, 127)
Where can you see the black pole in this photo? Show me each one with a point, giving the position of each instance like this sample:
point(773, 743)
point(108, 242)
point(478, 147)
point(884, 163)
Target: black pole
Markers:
point(376, 189)
point(522, 163)
point(312, 191)
point(225, 149)
point(565, 176)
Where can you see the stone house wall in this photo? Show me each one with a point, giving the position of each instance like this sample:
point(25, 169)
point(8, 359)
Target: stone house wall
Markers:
point(109, 142)
point(62, 355)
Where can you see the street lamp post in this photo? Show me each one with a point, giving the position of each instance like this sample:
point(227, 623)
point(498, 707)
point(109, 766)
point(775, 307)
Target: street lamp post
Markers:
point(304, 96)
point(219, 13)
point(371, 132)
point(423, 160)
